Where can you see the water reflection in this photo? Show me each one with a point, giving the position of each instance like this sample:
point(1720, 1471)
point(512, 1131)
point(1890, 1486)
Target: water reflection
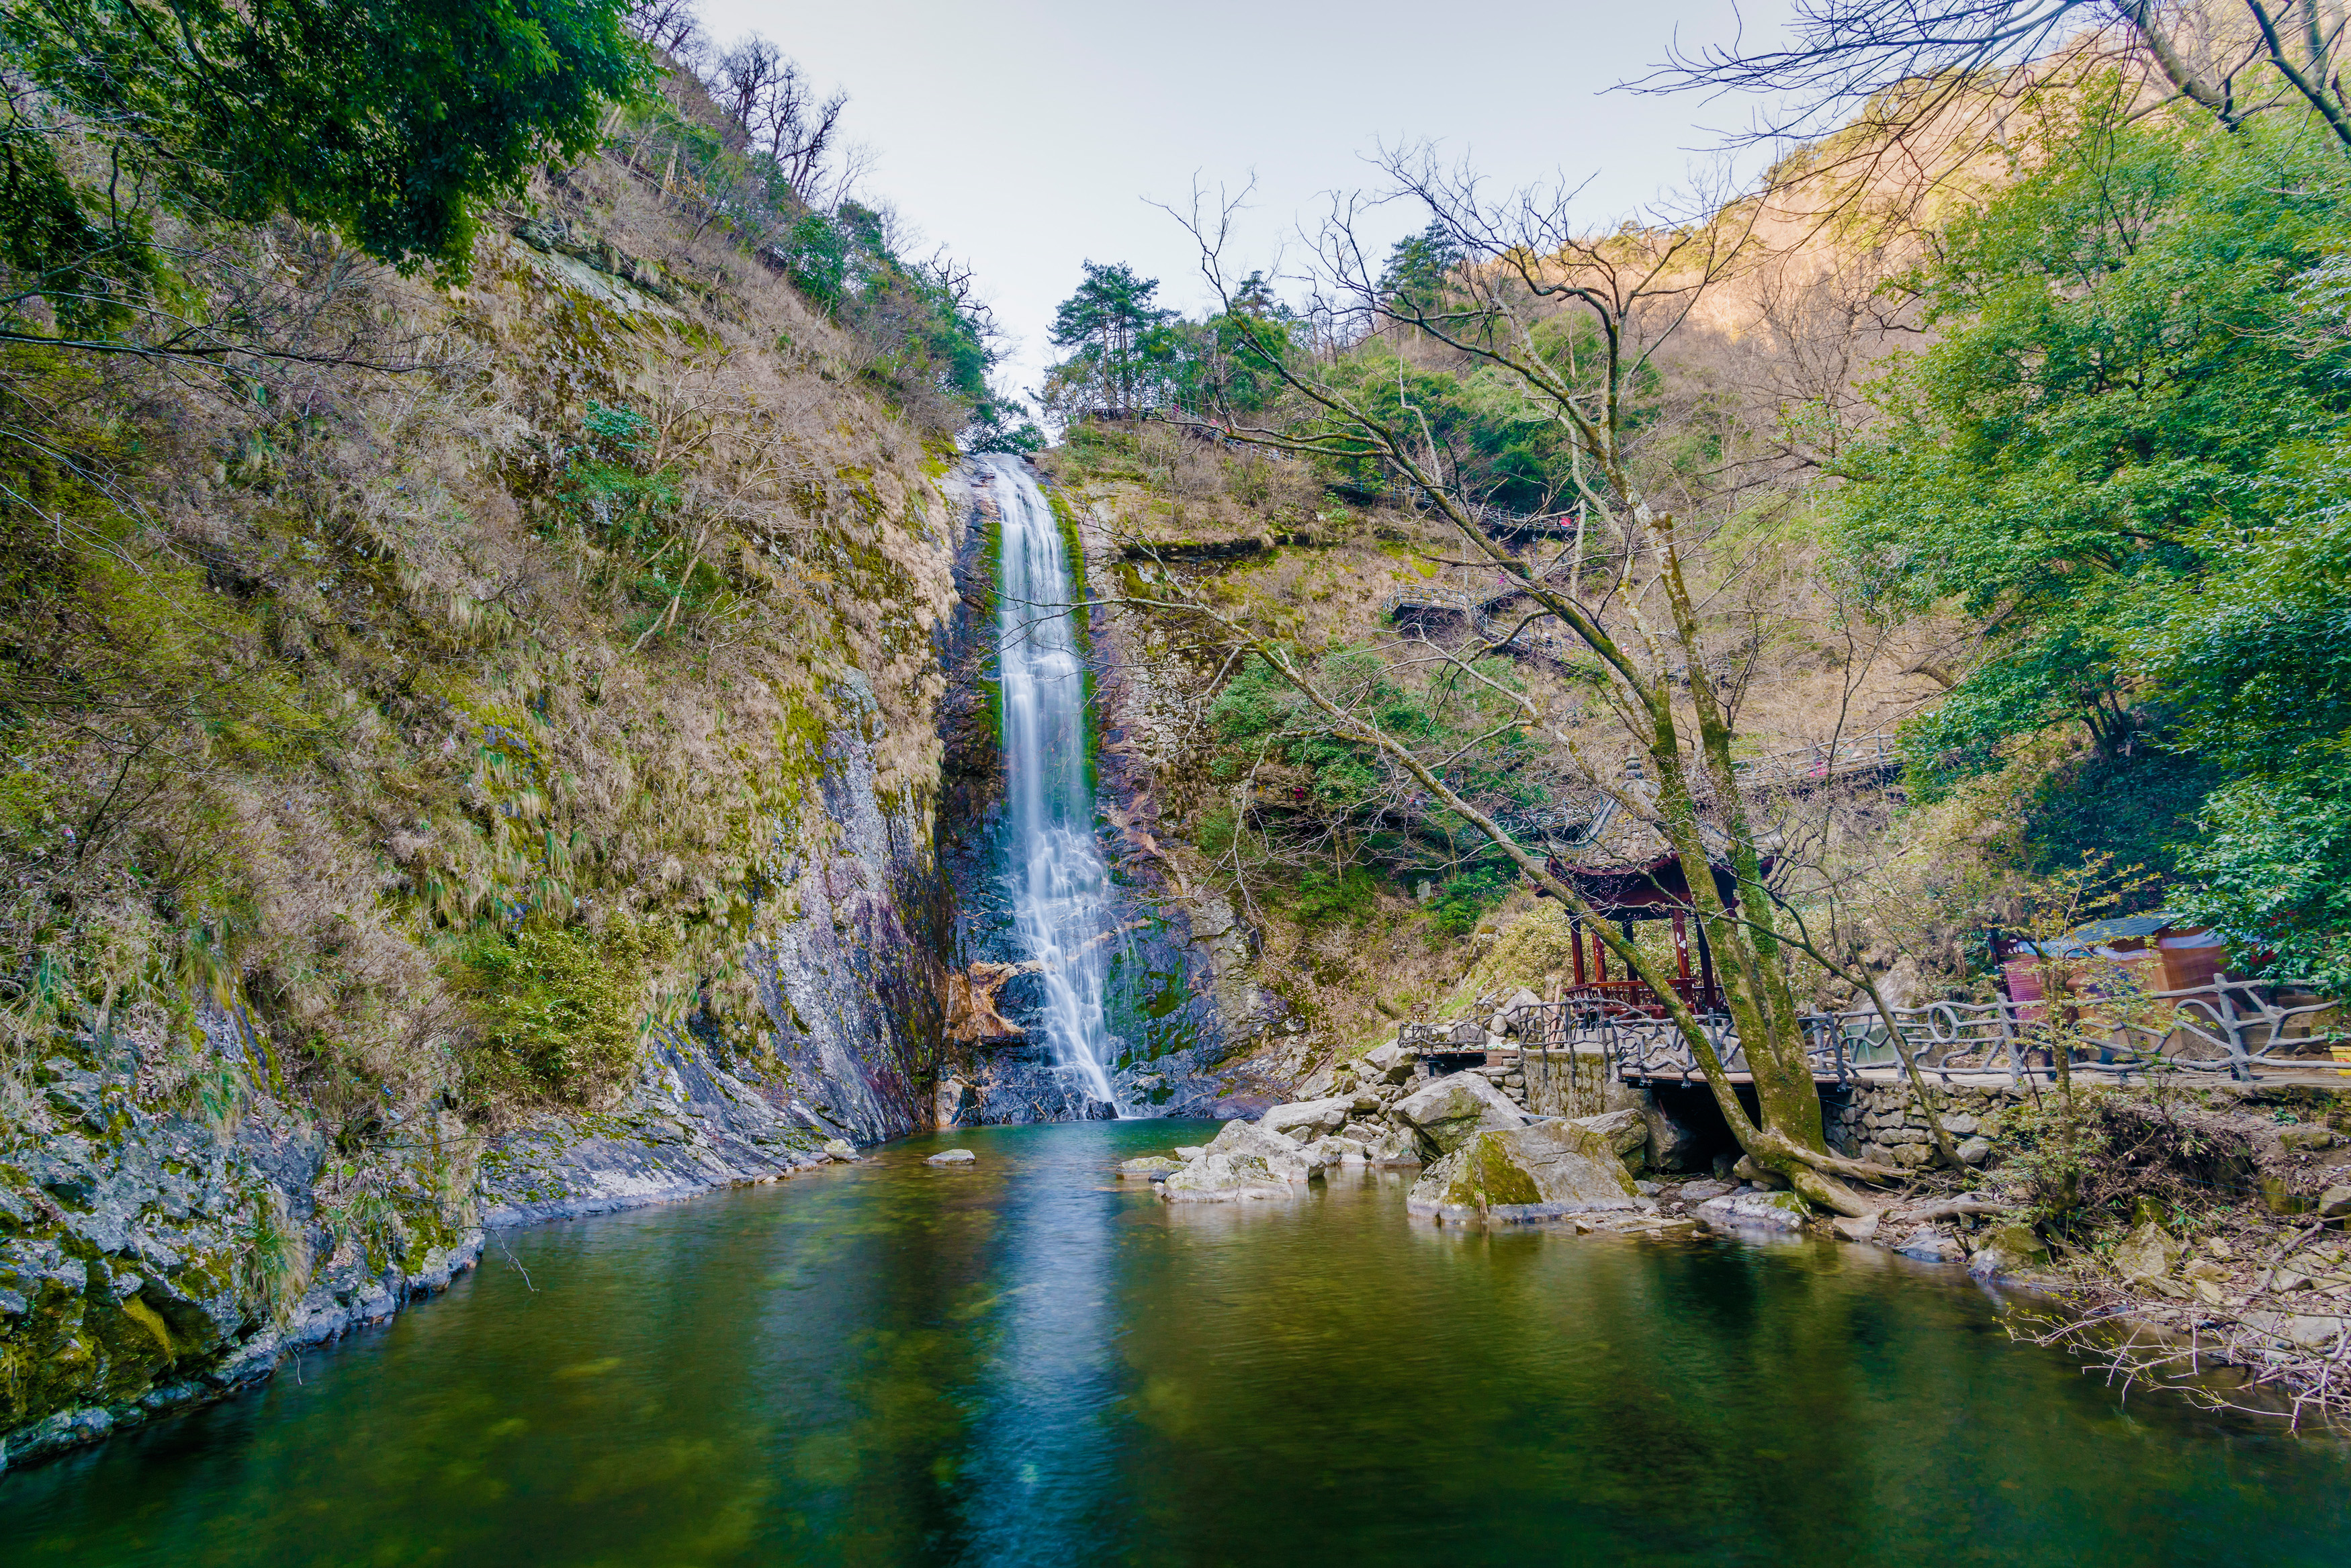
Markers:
point(1020, 1363)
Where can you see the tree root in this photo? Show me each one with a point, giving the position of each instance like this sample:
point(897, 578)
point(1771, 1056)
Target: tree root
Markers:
point(1827, 1192)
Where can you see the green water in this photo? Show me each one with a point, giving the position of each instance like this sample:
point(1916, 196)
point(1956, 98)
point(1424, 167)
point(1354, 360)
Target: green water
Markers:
point(1022, 1363)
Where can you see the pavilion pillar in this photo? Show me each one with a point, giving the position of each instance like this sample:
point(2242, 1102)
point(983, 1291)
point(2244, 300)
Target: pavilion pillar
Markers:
point(1705, 963)
point(1681, 944)
point(1576, 941)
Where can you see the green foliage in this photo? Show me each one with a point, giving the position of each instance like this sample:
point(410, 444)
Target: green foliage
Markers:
point(560, 1013)
point(1323, 897)
point(1463, 899)
point(2138, 808)
point(2118, 373)
point(1120, 343)
point(2125, 452)
point(1379, 814)
point(392, 122)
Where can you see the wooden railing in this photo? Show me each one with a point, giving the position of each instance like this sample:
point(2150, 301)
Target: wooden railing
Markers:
point(2235, 1028)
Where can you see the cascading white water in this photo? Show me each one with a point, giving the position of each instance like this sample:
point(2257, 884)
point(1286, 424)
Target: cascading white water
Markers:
point(1061, 907)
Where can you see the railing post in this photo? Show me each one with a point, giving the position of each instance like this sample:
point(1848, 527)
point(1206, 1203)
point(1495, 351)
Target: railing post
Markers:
point(2240, 1067)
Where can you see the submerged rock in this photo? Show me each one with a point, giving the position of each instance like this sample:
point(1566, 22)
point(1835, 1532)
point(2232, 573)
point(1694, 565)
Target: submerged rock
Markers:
point(1447, 1113)
point(1547, 1170)
point(952, 1157)
point(1766, 1210)
point(1933, 1246)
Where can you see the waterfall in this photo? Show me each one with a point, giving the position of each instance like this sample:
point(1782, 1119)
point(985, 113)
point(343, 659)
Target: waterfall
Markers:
point(1062, 918)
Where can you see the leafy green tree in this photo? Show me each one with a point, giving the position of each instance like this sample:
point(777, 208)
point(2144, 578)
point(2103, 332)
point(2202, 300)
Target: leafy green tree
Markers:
point(392, 121)
point(2129, 455)
point(1418, 270)
point(2118, 376)
point(1120, 342)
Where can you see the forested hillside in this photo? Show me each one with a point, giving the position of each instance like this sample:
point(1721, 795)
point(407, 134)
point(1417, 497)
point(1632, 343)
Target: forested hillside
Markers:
point(2014, 453)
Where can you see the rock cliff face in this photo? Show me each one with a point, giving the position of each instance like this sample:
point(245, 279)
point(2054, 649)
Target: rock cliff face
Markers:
point(159, 1250)
point(716, 796)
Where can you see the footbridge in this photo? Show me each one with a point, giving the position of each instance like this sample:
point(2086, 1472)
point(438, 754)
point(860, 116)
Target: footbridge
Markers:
point(2228, 1029)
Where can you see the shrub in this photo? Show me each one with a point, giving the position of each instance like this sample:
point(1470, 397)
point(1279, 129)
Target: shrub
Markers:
point(559, 1012)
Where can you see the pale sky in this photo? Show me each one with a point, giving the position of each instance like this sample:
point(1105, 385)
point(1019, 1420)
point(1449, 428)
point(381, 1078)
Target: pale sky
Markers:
point(1030, 135)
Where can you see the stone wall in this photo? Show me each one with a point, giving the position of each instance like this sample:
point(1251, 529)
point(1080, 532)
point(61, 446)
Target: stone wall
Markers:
point(1882, 1122)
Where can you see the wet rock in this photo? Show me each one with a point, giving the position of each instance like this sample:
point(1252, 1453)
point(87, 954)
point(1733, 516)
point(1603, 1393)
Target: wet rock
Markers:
point(1151, 1166)
point(1309, 1118)
point(1854, 1228)
point(1933, 1246)
point(2009, 1249)
point(1243, 1162)
point(1444, 1115)
point(1761, 1210)
point(1545, 1170)
point(951, 1156)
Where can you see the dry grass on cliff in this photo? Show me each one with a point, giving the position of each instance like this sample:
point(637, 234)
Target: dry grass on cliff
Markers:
point(331, 670)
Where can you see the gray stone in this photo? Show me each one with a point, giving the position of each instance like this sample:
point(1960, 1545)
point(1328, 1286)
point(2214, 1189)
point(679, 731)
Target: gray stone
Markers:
point(1243, 1162)
point(1151, 1167)
point(1543, 1171)
point(1700, 1191)
point(1961, 1125)
point(839, 1148)
point(2335, 1203)
point(1933, 1246)
point(1974, 1151)
point(1388, 1063)
point(1445, 1113)
point(1189, 1151)
point(951, 1156)
point(1761, 1210)
point(2147, 1254)
point(1309, 1118)
point(1625, 1131)
point(2009, 1249)
point(2306, 1138)
point(1854, 1228)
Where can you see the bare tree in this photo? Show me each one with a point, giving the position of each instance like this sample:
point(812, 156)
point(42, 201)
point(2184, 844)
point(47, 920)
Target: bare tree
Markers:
point(1576, 319)
point(782, 118)
point(1844, 52)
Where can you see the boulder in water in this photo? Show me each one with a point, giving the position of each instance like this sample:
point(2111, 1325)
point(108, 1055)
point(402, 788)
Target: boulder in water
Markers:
point(1545, 1170)
point(1307, 1119)
point(952, 1157)
point(1153, 1167)
point(839, 1148)
point(1243, 1161)
point(2009, 1249)
point(1448, 1112)
point(1756, 1210)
